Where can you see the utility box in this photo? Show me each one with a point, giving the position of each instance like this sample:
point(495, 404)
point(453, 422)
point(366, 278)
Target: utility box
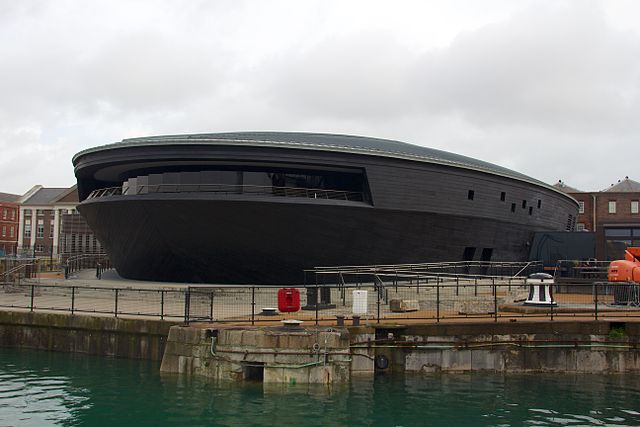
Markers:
point(288, 300)
point(359, 302)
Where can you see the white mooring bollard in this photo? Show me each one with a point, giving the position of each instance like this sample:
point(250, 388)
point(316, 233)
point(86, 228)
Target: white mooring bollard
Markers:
point(540, 290)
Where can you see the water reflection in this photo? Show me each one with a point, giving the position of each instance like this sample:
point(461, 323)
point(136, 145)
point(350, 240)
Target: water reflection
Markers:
point(38, 388)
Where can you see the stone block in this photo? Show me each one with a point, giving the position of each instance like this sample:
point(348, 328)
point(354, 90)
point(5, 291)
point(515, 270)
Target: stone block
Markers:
point(265, 339)
point(591, 361)
point(323, 374)
point(286, 375)
point(176, 334)
point(424, 361)
point(487, 360)
point(404, 305)
point(474, 307)
point(456, 360)
point(362, 361)
point(224, 337)
point(169, 364)
point(360, 338)
point(249, 337)
point(185, 364)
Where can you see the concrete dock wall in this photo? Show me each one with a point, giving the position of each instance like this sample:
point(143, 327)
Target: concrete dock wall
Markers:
point(271, 355)
point(277, 355)
point(578, 347)
point(106, 336)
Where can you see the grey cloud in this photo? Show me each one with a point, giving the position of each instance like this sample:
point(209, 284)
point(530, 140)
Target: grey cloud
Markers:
point(150, 71)
point(356, 76)
point(558, 66)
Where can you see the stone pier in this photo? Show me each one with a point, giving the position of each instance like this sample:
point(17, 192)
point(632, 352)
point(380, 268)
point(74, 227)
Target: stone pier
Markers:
point(268, 354)
point(332, 355)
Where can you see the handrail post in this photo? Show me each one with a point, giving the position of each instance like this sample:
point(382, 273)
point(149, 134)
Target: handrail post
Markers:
point(187, 300)
point(437, 299)
point(211, 306)
point(31, 304)
point(495, 303)
point(161, 304)
point(253, 305)
point(115, 308)
point(378, 308)
point(595, 293)
point(316, 299)
point(73, 299)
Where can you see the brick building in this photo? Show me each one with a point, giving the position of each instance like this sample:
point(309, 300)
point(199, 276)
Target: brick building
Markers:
point(9, 223)
point(612, 214)
point(51, 226)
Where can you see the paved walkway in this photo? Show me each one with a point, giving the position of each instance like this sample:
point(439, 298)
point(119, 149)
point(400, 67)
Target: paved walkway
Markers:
point(87, 294)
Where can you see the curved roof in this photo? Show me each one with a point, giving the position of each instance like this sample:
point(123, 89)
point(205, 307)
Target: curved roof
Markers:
point(322, 142)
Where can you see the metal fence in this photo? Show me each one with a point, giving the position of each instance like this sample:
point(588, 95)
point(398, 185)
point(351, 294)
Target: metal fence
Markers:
point(430, 292)
point(159, 303)
point(432, 301)
point(574, 271)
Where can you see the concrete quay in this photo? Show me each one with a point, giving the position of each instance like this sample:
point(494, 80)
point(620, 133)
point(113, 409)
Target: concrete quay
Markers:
point(332, 355)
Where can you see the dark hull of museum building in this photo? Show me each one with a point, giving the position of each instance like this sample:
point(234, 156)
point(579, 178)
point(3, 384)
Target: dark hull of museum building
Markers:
point(259, 208)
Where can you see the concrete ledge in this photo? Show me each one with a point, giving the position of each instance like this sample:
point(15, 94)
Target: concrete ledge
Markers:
point(107, 336)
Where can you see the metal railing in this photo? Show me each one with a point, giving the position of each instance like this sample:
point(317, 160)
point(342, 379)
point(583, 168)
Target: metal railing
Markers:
point(112, 301)
point(99, 261)
point(225, 189)
point(419, 302)
point(442, 299)
point(574, 271)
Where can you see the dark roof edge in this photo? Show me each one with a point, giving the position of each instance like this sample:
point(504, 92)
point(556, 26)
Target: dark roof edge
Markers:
point(207, 139)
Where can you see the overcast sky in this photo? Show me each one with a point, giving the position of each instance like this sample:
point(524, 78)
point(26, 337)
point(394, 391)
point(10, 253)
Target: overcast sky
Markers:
point(548, 88)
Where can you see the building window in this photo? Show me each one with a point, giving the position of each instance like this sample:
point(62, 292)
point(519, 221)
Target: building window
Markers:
point(580, 226)
point(27, 228)
point(513, 207)
point(40, 229)
point(13, 215)
point(634, 206)
point(612, 206)
point(4, 213)
point(530, 210)
point(39, 212)
point(27, 212)
point(11, 230)
point(470, 194)
point(524, 204)
point(539, 204)
point(503, 196)
point(39, 248)
point(4, 231)
point(581, 207)
point(51, 224)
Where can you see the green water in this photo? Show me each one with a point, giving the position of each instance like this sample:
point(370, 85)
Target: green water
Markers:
point(40, 388)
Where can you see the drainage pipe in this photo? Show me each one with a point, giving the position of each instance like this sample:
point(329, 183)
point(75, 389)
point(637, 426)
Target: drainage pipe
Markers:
point(472, 346)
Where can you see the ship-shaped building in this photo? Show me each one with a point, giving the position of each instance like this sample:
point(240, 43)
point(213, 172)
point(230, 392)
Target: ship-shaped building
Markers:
point(260, 207)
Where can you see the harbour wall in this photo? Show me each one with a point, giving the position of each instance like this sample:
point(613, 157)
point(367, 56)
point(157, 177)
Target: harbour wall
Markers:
point(332, 354)
point(328, 355)
point(104, 336)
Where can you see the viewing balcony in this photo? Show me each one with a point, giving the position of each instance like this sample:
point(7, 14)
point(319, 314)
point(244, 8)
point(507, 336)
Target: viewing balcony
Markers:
point(225, 189)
